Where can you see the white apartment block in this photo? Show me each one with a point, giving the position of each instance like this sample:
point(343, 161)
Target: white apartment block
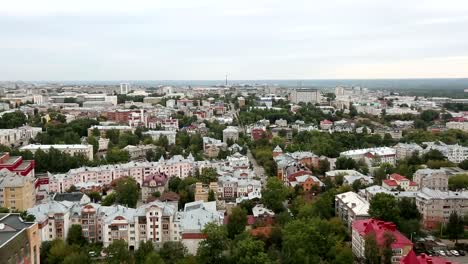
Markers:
point(405, 150)
point(454, 153)
point(457, 125)
point(372, 156)
point(436, 206)
point(73, 150)
point(305, 95)
point(436, 179)
point(156, 134)
point(350, 206)
point(177, 166)
point(230, 133)
point(17, 136)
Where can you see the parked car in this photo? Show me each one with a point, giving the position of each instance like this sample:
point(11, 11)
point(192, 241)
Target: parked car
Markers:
point(454, 252)
point(461, 252)
point(442, 253)
point(447, 252)
point(431, 252)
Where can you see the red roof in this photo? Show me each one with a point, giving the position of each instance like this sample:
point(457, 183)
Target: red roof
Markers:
point(411, 258)
point(194, 236)
point(378, 227)
point(292, 177)
point(326, 121)
point(390, 182)
point(412, 183)
point(398, 177)
point(262, 230)
point(458, 119)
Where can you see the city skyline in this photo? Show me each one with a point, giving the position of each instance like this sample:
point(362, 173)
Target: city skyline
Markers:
point(204, 40)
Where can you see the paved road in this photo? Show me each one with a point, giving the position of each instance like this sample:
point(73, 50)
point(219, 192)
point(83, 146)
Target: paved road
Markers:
point(259, 171)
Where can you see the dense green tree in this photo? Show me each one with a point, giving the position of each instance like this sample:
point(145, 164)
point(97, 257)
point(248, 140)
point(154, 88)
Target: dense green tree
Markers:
point(144, 249)
point(76, 258)
point(384, 207)
point(75, 236)
point(433, 154)
point(429, 115)
point(95, 197)
point(127, 191)
point(208, 175)
point(153, 258)
point(371, 250)
point(12, 120)
point(211, 196)
point(58, 252)
point(248, 250)
point(118, 253)
point(237, 221)
point(173, 252)
point(274, 194)
point(110, 199)
point(345, 163)
point(116, 155)
point(211, 250)
point(458, 182)
point(455, 226)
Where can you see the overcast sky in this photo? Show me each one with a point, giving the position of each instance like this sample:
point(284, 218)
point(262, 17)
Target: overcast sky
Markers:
point(248, 39)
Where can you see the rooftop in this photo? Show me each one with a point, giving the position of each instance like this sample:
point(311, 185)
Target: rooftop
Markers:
point(10, 226)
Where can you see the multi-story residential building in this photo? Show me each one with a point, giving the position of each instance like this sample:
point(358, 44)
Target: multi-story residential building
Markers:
point(405, 150)
point(350, 176)
point(306, 180)
point(411, 258)
point(152, 184)
point(454, 153)
point(401, 245)
point(436, 206)
point(155, 221)
point(238, 161)
point(53, 219)
point(73, 150)
point(305, 95)
point(230, 133)
point(19, 240)
point(232, 187)
point(17, 165)
point(156, 134)
point(395, 133)
point(177, 166)
point(350, 207)
point(436, 179)
point(457, 125)
point(103, 129)
point(16, 193)
point(396, 181)
point(212, 146)
point(372, 156)
point(18, 136)
point(138, 152)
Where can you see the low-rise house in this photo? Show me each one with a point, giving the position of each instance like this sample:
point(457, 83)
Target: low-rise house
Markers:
point(18, 136)
point(157, 134)
point(138, 152)
point(326, 124)
point(306, 180)
point(74, 197)
point(396, 181)
point(350, 176)
point(230, 133)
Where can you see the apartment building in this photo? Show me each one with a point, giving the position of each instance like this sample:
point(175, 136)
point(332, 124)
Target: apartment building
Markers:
point(372, 156)
point(19, 240)
point(350, 207)
point(157, 134)
point(305, 95)
point(454, 153)
point(73, 150)
point(436, 206)
point(202, 191)
point(53, 219)
point(104, 129)
point(177, 166)
point(230, 133)
point(17, 165)
point(18, 136)
point(230, 187)
point(138, 152)
point(401, 246)
point(436, 179)
point(457, 125)
point(16, 192)
point(152, 184)
point(405, 150)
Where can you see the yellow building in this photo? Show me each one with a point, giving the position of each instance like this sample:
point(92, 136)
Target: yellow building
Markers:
point(16, 191)
point(202, 190)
